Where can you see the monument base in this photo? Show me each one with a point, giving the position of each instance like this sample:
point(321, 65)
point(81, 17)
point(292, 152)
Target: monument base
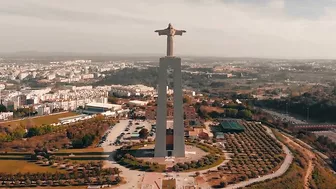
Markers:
point(161, 119)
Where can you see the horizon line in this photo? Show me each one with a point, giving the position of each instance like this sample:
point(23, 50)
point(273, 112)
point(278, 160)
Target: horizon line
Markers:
point(55, 53)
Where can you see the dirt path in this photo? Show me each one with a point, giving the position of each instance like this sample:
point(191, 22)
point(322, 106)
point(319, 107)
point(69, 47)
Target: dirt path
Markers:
point(309, 157)
point(310, 168)
point(308, 174)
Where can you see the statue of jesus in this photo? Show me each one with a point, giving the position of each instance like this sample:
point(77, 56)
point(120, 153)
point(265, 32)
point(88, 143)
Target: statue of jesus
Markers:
point(170, 32)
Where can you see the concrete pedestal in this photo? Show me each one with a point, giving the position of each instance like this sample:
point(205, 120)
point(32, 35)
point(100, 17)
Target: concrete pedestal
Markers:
point(161, 120)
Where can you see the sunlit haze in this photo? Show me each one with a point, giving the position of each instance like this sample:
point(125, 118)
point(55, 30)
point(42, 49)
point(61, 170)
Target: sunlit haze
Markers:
point(228, 28)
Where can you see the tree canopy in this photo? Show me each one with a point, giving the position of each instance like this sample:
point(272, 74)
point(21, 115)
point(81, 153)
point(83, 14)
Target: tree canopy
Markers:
point(3, 108)
point(143, 133)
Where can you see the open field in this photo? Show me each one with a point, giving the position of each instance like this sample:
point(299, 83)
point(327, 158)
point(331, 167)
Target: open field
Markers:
point(16, 166)
point(38, 121)
point(322, 178)
point(84, 150)
point(211, 109)
point(293, 179)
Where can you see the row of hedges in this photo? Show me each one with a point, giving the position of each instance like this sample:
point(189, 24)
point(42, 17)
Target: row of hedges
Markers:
point(131, 162)
point(206, 162)
point(84, 176)
point(205, 147)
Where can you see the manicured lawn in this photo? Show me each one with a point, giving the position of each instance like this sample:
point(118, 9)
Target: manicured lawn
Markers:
point(15, 166)
point(48, 119)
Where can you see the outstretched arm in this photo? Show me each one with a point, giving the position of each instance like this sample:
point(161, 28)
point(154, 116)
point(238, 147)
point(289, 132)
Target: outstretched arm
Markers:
point(162, 32)
point(179, 32)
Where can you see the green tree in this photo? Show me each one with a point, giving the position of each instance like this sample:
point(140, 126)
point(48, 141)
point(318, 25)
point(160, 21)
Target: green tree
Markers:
point(246, 114)
point(143, 133)
point(34, 131)
point(217, 103)
point(230, 112)
point(87, 140)
point(3, 108)
point(222, 184)
point(204, 103)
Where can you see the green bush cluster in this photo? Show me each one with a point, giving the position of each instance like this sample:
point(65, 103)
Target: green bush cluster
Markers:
point(130, 161)
point(204, 162)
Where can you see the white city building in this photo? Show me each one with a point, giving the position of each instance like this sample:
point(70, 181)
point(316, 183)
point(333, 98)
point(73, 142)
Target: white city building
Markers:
point(5, 115)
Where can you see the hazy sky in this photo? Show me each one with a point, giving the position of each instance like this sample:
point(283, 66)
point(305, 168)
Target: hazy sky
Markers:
point(258, 28)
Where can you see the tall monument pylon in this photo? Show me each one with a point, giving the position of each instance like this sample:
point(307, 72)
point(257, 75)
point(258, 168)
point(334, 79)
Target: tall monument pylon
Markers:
point(163, 145)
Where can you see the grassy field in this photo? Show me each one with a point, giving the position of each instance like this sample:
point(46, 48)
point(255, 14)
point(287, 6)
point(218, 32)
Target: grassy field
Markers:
point(292, 179)
point(85, 150)
point(15, 166)
point(211, 109)
point(322, 178)
point(38, 121)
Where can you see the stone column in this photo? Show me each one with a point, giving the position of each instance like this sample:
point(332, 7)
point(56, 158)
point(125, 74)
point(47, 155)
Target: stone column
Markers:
point(161, 116)
point(179, 148)
point(170, 45)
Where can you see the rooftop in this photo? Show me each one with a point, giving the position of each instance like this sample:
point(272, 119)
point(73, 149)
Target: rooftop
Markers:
point(103, 105)
point(231, 125)
point(72, 117)
point(137, 101)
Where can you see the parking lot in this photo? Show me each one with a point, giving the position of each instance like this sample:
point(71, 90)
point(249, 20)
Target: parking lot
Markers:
point(134, 127)
point(126, 131)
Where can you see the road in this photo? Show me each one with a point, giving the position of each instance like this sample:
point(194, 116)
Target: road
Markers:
point(283, 168)
point(133, 177)
point(284, 117)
